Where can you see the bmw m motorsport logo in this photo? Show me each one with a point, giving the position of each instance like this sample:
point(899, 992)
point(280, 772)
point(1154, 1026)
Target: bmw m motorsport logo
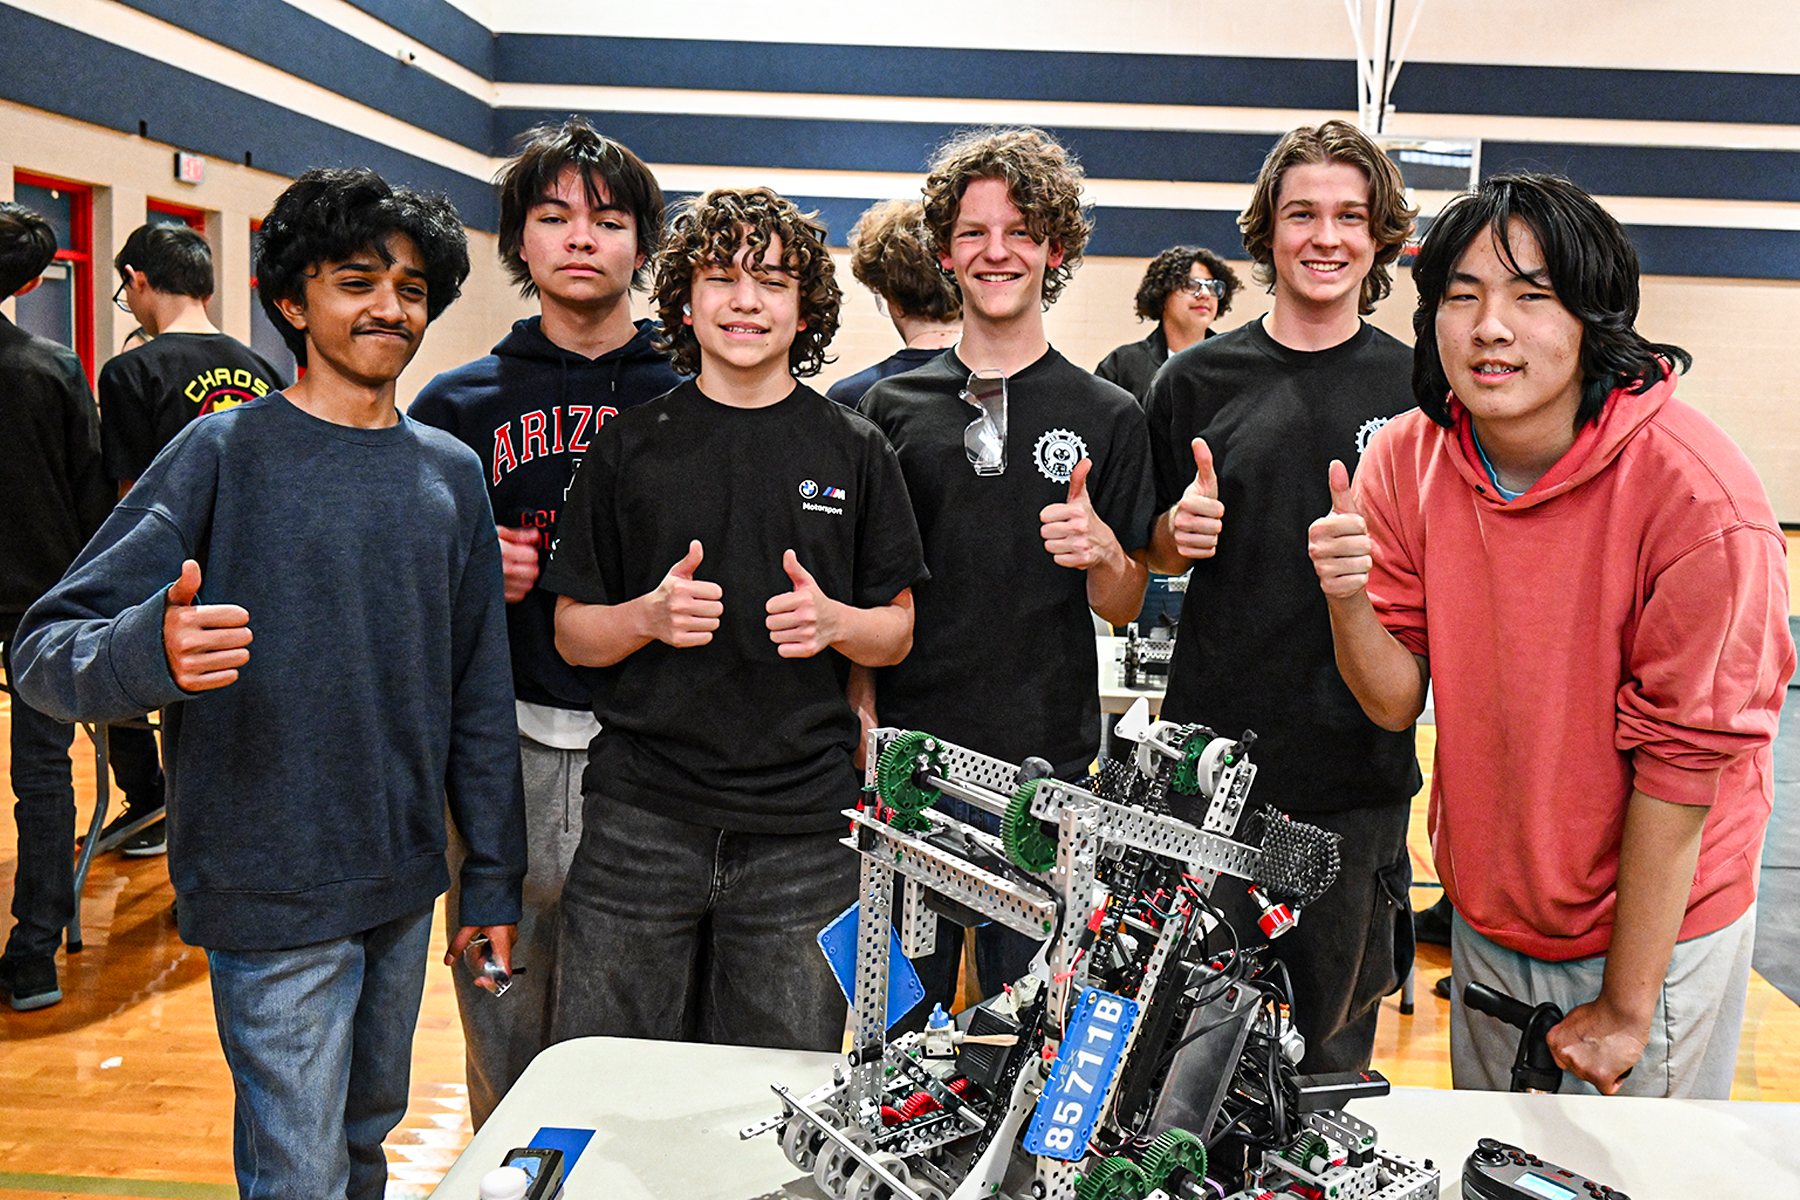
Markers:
point(810, 490)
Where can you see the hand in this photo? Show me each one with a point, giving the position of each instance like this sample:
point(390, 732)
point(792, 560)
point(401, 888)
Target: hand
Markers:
point(518, 561)
point(500, 943)
point(804, 621)
point(1338, 543)
point(1598, 1044)
point(204, 643)
point(1073, 533)
point(1198, 517)
point(685, 611)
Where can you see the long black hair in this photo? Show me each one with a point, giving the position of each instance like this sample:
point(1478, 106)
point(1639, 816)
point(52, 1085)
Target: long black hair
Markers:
point(1593, 270)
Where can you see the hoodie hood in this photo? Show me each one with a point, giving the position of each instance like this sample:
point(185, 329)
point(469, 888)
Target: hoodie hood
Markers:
point(527, 341)
point(1597, 444)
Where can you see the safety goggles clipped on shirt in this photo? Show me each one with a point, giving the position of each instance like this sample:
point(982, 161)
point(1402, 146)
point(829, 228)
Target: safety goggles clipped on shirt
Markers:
point(985, 438)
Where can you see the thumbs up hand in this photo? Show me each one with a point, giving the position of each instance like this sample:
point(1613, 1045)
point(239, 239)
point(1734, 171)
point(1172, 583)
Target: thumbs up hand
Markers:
point(1338, 542)
point(204, 643)
point(685, 611)
point(1073, 532)
point(1198, 517)
point(804, 621)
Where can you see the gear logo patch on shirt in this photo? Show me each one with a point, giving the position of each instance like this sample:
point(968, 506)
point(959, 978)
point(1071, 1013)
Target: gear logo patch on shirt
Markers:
point(1369, 428)
point(1057, 453)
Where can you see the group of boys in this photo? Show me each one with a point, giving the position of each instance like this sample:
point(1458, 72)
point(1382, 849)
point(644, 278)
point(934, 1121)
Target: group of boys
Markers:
point(684, 639)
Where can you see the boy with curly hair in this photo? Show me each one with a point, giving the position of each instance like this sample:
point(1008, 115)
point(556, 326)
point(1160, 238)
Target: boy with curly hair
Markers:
point(309, 776)
point(1024, 543)
point(727, 552)
point(892, 256)
point(1241, 427)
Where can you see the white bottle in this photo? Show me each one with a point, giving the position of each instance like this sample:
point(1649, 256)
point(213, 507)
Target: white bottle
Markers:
point(504, 1183)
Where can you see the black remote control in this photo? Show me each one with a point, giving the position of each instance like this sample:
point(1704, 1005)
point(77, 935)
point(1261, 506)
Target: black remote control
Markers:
point(1497, 1171)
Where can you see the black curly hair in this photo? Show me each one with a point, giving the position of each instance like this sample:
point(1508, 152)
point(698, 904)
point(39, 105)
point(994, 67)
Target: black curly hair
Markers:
point(1042, 178)
point(1592, 268)
point(725, 223)
point(1170, 269)
point(332, 214)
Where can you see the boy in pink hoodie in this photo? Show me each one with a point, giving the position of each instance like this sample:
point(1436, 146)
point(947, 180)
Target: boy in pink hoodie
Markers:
point(1590, 576)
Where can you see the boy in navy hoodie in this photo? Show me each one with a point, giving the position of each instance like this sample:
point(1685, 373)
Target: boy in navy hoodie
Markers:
point(579, 217)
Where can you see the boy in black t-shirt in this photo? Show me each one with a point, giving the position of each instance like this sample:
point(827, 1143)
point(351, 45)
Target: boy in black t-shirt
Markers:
point(147, 396)
point(1021, 546)
point(1242, 427)
point(705, 544)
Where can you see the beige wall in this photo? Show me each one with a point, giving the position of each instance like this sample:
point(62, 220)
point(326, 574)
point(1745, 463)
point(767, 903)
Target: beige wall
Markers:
point(1739, 332)
point(125, 171)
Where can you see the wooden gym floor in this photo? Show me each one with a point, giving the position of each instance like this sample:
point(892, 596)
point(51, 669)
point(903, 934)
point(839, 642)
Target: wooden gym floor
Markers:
point(120, 1090)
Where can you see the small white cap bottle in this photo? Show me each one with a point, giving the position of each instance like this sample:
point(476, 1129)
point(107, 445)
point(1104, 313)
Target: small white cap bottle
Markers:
point(504, 1183)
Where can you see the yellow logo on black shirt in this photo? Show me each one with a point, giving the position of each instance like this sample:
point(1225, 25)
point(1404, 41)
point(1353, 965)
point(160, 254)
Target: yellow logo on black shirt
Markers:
point(224, 387)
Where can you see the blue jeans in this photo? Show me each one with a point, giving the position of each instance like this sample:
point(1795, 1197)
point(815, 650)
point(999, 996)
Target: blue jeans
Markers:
point(319, 1041)
point(687, 932)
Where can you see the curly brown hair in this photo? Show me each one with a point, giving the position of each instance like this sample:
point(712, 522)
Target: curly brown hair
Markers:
point(1390, 216)
point(720, 226)
point(1170, 269)
point(1042, 178)
point(891, 254)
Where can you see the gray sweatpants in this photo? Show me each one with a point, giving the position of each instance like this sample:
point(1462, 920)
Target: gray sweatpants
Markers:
point(503, 1034)
point(1693, 1044)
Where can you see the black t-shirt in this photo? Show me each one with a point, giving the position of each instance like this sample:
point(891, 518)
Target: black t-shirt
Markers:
point(1003, 656)
point(730, 733)
point(1254, 647)
point(148, 395)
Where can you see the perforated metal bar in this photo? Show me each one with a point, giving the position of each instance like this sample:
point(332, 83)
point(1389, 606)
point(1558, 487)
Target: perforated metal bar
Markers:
point(1028, 911)
point(876, 896)
point(1150, 831)
point(918, 924)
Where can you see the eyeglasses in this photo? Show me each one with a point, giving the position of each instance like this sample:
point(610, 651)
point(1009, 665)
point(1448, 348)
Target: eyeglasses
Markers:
point(985, 438)
point(119, 296)
point(1194, 287)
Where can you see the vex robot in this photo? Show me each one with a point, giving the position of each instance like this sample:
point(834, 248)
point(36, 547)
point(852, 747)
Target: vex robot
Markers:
point(1147, 1055)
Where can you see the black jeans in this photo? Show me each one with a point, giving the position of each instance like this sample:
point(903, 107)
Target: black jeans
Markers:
point(693, 933)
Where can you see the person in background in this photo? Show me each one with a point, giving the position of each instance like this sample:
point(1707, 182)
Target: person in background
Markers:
point(148, 394)
point(1185, 290)
point(891, 255)
point(57, 494)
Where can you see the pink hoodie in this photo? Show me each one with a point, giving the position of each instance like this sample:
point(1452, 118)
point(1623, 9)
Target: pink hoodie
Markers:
point(1621, 625)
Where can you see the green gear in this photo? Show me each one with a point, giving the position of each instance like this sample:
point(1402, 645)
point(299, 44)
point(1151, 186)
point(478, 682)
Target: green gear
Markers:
point(1174, 1149)
point(1305, 1148)
point(895, 771)
point(1024, 838)
point(1113, 1179)
point(1186, 778)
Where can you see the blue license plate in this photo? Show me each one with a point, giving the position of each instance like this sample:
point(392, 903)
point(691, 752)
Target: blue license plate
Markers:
point(1085, 1064)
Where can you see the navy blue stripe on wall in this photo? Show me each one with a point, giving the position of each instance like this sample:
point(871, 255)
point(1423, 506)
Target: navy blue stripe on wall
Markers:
point(440, 25)
point(1717, 253)
point(1683, 171)
point(799, 143)
point(289, 40)
point(926, 71)
point(1602, 94)
point(52, 67)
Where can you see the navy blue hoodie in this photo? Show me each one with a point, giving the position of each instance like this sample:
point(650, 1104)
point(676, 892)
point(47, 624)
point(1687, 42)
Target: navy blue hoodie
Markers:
point(529, 409)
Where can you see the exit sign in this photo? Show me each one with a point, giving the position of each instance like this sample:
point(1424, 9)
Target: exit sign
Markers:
point(189, 168)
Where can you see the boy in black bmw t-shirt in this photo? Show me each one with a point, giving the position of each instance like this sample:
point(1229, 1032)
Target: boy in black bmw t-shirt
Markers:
point(728, 551)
